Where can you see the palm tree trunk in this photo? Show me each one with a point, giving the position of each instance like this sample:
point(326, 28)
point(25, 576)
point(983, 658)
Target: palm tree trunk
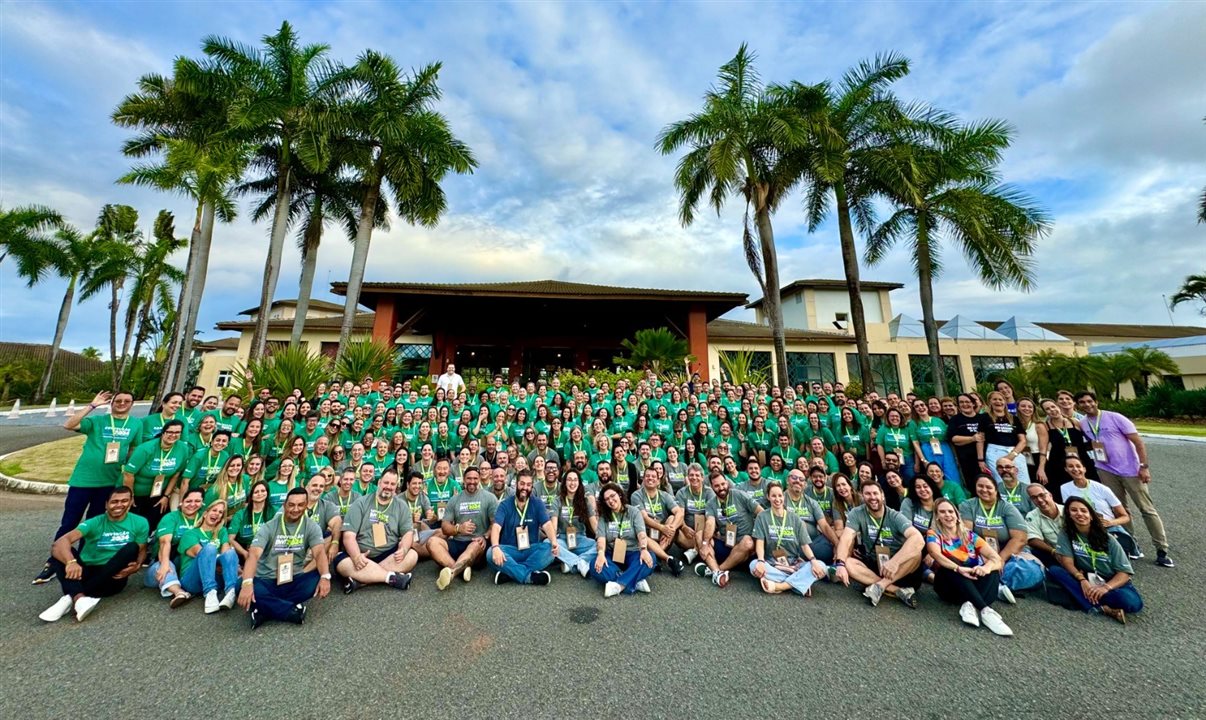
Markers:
point(131, 314)
point(168, 376)
point(272, 264)
point(305, 285)
point(858, 320)
point(59, 329)
point(114, 305)
point(771, 301)
point(925, 282)
point(194, 308)
point(360, 250)
point(140, 336)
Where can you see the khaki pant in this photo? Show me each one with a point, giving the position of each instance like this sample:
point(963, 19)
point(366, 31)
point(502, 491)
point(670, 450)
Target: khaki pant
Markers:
point(1123, 487)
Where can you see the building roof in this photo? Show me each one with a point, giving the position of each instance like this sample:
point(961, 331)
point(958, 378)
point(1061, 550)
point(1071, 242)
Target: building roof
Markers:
point(1020, 330)
point(737, 330)
point(906, 326)
point(539, 288)
point(1139, 332)
point(314, 305)
point(228, 343)
point(1165, 344)
point(828, 284)
point(961, 328)
point(364, 321)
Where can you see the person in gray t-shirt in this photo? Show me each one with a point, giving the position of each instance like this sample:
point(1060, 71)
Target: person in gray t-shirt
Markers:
point(889, 558)
point(727, 541)
point(466, 522)
point(378, 539)
point(274, 587)
point(663, 517)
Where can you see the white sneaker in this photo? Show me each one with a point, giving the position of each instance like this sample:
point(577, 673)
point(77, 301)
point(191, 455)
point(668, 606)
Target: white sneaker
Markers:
point(1004, 593)
point(566, 569)
point(84, 607)
point(583, 568)
point(211, 602)
point(992, 620)
point(967, 612)
point(691, 555)
point(612, 589)
point(445, 578)
point(643, 586)
point(55, 612)
point(228, 600)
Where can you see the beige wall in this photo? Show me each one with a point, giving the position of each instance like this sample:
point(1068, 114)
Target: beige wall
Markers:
point(212, 363)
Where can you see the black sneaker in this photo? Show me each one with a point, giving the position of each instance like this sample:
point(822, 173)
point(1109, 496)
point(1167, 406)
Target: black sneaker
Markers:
point(45, 576)
point(676, 566)
point(256, 619)
point(1163, 560)
point(501, 577)
point(350, 586)
point(298, 616)
point(540, 577)
point(399, 580)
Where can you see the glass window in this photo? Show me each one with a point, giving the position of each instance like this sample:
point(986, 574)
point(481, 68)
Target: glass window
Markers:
point(224, 377)
point(884, 371)
point(808, 367)
point(988, 367)
point(411, 359)
point(923, 374)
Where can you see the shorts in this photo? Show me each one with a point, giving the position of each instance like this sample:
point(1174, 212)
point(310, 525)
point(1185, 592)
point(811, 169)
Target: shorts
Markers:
point(425, 535)
point(912, 580)
point(721, 549)
point(457, 547)
point(378, 558)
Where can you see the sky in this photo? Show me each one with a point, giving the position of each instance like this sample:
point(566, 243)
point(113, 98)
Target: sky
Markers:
point(561, 104)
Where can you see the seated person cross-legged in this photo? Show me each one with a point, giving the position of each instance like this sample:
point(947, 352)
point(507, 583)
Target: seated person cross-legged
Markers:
point(623, 563)
point(784, 559)
point(1093, 568)
point(1002, 526)
point(377, 539)
point(465, 524)
point(967, 569)
point(880, 549)
point(727, 541)
point(516, 550)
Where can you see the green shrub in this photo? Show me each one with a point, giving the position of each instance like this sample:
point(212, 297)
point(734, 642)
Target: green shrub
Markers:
point(366, 359)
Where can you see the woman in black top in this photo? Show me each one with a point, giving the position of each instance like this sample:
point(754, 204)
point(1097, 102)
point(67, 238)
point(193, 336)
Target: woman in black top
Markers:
point(965, 433)
point(1064, 438)
point(1004, 437)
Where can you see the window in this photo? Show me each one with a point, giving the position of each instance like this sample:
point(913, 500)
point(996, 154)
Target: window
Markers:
point(224, 378)
point(799, 298)
point(273, 346)
point(987, 368)
point(884, 371)
point(923, 374)
point(808, 367)
point(840, 317)
point(411, 359)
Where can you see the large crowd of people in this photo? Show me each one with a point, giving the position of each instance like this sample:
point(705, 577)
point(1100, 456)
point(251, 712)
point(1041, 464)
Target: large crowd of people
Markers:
point(267, 502)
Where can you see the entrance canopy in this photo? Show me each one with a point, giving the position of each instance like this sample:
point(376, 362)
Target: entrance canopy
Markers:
point(540, 323)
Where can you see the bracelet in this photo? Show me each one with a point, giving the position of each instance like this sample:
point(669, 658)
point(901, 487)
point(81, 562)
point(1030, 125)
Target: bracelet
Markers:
point(72, 561)
point(248, 581)
point(839, 563)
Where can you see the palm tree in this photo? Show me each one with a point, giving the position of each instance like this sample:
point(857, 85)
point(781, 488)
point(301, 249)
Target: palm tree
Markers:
point(1192, 290)
point(949, 189)
point(736, 146)
point(853, 126)
point(1143, 362)
point(1081, 372)
point(115, 241)
point(182, 121)
point(281, 96)
point(90, 352)
point(23, 237)
point(655, 349)
point(404, 144)
point(153, 277)
point(72, 256)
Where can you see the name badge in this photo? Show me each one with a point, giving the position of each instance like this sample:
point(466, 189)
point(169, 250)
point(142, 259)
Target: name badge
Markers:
point(619, 553)
point(284, 569)
point(935, 446)
point(654, 534)
point(157, 486)
point(779, 554)
point(415, 520)
point(1094, 579)
point(440, 508)
point(112, 452)
point(521, 538)
point(993, 542)
point(571, 537)
point(1098, 452)
point(730, 534)
point(882, 555)
point(378, 534)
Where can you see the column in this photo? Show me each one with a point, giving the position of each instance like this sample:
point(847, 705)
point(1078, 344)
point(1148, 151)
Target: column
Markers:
point(385, 320)
point(697, 340)
point(515, 364)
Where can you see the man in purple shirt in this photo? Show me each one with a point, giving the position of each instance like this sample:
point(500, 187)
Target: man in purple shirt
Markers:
point(1121, 460)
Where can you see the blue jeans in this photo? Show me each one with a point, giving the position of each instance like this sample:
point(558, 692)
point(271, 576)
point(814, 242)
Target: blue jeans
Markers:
point(520, 564)
point(632, 573)
point(950, 467)
point(586, 550)
point(148, 578)
point(821, 548)
point(1022, 572)
point(201, 575)
point(1125, 598)
point(800, 580)
point(276, 602)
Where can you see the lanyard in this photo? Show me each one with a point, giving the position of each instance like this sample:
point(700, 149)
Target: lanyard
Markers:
point(377, 508)
point(257, 519)
point(343, 507)
point(523, 516)
point(990, 517)
point(210, 469)
point(1014, 497)
point(653, 504)
point(296, 530)
point(196, 521)
point(1096, 428)
point(113, 426)
point(879, 527)
point(779, 529)
point(1093, 554)
point(315, 513)
point(163, 456)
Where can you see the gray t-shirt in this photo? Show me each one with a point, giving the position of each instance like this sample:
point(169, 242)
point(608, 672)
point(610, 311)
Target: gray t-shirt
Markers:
point(889, 530)
point(659, 506)
point(321, 513)
point(542, 491)
point(739, 509)
point(918, 515)
point(758, 493)
point(788, 533)
point(694, 504)
point(276, 537)
point(628, 526)
point(366, 511)
point(1018, 498)
point(1087, 560)
point(809, 510)
point(420, 505)
point(995, 522)
point(563, 514)
point(477, 507)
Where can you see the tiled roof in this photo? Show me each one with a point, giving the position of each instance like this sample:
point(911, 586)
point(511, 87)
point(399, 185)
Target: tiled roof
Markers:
point(542, 288)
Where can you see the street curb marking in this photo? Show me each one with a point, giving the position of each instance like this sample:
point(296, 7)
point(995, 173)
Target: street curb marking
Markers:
point(31, 487)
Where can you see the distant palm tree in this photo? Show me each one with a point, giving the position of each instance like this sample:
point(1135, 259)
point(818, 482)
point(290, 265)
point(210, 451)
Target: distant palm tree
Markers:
point(1143, 362)
point(153, 278)
point(403, 145)
point(655, 349)
point(949, 190)
point(24, 238)
point(116, 241)
point(736, 146)
point(92, 353)
point(72, 256)
point(1193, 289)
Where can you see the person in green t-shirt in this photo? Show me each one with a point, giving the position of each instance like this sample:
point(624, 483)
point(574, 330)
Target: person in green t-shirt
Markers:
point(112, 549)
point(203, 550)
point(229, 486)
point(246, 523)
point(205, 464)
point(154, 469)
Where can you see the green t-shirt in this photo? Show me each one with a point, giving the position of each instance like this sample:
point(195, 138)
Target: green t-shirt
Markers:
point(204, 466)
point(441, 492)
point(149, 461)
point(243, 529)
point(153, 424)
point(236, 495)
point(889, 530)
point(276, 537)
point(91, 470)
point(103, 536)
point(196, 536)
point(230, 423)
point(787, 533)
point(898, 439)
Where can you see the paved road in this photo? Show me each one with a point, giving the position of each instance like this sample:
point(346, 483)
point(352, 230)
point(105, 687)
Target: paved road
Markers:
point(687, 650)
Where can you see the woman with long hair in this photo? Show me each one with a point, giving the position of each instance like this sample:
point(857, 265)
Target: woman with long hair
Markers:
point(623, 562)
point(967, 570)
point(246, 523)
point(783, 558)
point(576, 521)
point(229, 486)
point(203, 550)
point(1004, 437)
point(1092, 565)
point(1037, 443)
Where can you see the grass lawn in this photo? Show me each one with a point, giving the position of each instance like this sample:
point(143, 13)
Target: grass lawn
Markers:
point(1170, 428)
point(48, 462)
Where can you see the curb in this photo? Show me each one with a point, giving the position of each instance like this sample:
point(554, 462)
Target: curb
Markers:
point(31, 487)
point(1185, 438)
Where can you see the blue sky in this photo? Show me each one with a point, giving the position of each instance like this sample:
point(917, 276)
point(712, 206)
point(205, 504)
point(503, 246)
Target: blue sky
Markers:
point(562, 102)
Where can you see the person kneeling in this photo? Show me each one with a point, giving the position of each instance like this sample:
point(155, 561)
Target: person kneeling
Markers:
point(516, 550)
point(621, 544)
point(967, 569)
point(1093, 567)
point(889, 548)
point(114, 547)
point(377, 539)
point(271, 590)
point(784, 534)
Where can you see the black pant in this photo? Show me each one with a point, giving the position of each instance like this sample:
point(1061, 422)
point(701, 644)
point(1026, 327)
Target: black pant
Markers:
point(97, 580)
point(148, 507)
point(1047, 559)
point(81, 503)
point(954, 588)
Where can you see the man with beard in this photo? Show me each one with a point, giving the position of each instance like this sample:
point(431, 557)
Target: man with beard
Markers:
point(602, 477)
point(550, 488)
point(465, 524)
point(887, 554)
point(377, 539)
point(516, 550)
point(498, 484)
point(727, 540)
point(753, 486)
point(274, 588)
point(585, 474)
point(813, 506)
point(191, 411)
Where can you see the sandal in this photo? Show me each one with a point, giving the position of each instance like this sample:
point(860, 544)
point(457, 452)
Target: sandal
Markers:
point(179, 599)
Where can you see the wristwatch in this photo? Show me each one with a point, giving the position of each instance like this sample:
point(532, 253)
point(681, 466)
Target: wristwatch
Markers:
point(1143, 466)
point(325, 576)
